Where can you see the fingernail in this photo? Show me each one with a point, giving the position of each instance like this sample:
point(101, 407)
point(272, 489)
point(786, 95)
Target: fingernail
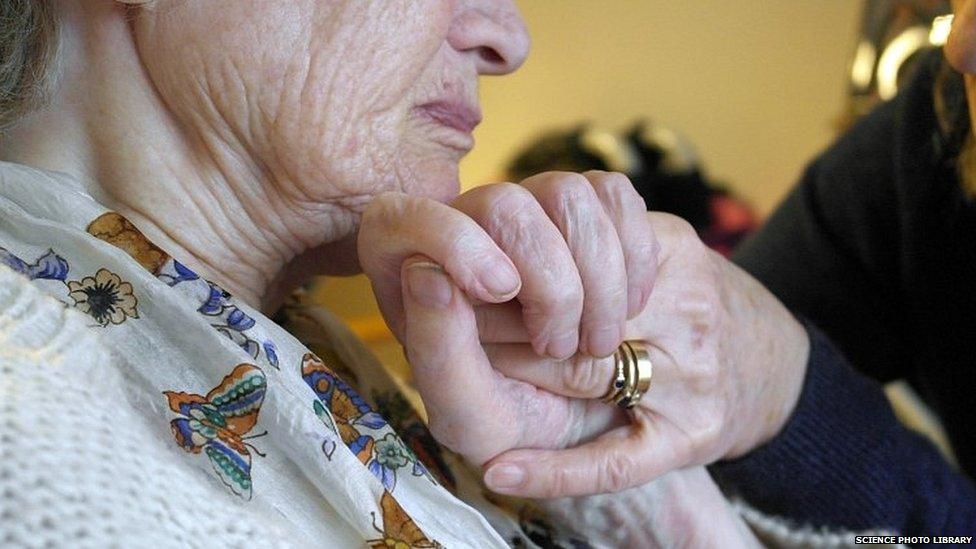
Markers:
point(603, 341)
point(504, 476)
point(501, 280)
point(428, 285)
point(564, 345)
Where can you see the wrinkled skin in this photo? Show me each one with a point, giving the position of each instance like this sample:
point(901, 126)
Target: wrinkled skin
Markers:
point(272, 123)
point(249, 138)
point(728, 358)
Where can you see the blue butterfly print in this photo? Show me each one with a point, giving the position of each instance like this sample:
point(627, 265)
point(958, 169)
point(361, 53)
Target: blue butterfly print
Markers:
point(49, 266)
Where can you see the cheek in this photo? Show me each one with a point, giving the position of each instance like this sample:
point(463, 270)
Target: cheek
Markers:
point(345, 117)
point(319, 91)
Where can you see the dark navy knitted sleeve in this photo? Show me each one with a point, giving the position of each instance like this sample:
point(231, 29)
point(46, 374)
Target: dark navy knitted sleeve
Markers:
point(844, 461)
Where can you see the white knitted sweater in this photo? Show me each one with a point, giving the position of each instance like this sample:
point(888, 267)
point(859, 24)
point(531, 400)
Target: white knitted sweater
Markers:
point(78, 466)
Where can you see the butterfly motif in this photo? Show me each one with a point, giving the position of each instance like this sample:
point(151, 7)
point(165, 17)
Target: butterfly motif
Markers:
point(347, 408)
point(350, 413)
point(217, 423)
point(399, 530)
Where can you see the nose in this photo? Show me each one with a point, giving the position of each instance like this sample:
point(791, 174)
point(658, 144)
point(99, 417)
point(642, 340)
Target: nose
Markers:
point(492, 33)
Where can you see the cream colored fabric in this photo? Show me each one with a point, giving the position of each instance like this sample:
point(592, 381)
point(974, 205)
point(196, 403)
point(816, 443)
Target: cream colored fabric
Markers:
point(91, 452)
point(80, 466)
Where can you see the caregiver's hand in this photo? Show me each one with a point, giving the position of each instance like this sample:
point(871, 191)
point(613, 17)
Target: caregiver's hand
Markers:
point(729, 362)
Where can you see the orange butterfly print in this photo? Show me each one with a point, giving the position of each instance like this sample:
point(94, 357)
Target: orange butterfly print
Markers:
point(348, 408)
point(217, 423)
point(399, 530)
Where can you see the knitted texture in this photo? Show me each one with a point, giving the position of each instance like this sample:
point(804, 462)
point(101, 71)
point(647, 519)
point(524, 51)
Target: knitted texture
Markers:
point(78, 467)
point(777, 531)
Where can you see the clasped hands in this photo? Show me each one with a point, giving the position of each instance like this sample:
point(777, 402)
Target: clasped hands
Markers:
point(510, 299)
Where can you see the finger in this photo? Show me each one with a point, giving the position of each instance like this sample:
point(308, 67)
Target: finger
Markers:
point(395, 226)
point(571, 202)
point(623, 458)
point(501, 323)
point(628, 213)
point(450, 368)
point(552, 293)
point(579, 376)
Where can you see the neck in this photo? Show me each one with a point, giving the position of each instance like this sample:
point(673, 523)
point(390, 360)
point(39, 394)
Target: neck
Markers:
point(191, 188)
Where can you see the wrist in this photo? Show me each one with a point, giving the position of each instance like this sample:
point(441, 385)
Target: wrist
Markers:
point(768, 349)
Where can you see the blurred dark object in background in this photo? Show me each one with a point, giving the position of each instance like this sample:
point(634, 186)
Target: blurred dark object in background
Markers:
point(663, 167)
point(894, 35)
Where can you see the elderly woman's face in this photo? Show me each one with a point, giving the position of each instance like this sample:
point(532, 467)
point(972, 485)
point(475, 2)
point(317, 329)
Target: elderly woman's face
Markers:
point(334, 99)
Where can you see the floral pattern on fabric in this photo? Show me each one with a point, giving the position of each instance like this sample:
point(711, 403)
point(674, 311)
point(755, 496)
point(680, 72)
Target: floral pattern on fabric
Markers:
point(361, 429)
point(398, 530)
point(216, 424)
point(105, 297)
point(221, 310)
point(428, 454)
point(217, 304)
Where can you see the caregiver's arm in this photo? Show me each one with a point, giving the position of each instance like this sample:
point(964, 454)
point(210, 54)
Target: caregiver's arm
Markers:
point(844, 461)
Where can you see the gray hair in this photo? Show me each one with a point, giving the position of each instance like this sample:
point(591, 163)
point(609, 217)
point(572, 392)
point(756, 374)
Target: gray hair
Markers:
point(28, 50)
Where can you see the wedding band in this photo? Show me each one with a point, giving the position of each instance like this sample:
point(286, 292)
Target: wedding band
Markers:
point(618, 381)
point(632, 374)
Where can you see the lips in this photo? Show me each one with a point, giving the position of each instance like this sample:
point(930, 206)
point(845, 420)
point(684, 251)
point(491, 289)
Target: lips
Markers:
point(453, 114)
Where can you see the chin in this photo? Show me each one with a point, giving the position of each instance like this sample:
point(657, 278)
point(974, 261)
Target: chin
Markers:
point(435, 179)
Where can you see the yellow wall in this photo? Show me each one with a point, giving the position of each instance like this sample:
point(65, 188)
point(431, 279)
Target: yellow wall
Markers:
point(755, 84)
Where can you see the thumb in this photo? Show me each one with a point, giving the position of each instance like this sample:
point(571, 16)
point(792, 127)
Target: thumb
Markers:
point(450, 368)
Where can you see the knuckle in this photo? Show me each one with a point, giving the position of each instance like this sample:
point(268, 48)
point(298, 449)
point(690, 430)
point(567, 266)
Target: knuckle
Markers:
point(615, 474)
point(560, 480)
point(569, 193)
point(562, 192)
point(507, 206)
point(616, 191)
point(583, 375)
point(703, 380)
point(681, 228)
point(563, 297)
point(571, 199)
point(701, 308)
point(379, 219)
point(381, 209)
point(674, 229)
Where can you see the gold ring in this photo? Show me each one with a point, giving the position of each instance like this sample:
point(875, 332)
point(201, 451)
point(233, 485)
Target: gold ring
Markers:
point(632, 374)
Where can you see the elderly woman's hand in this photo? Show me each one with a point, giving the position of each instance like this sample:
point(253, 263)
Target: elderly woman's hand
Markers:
point(576, 251)
point(728, 366)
